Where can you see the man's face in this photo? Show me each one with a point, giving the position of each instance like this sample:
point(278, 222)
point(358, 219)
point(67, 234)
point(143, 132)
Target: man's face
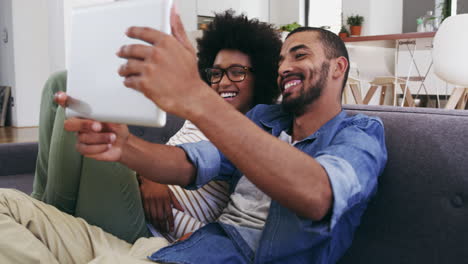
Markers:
point(303, 71)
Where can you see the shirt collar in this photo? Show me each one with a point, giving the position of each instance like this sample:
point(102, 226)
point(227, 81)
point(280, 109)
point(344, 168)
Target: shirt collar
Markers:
point(278, 120)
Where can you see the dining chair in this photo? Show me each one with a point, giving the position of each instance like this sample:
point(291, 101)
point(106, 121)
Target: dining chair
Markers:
point(450, 58)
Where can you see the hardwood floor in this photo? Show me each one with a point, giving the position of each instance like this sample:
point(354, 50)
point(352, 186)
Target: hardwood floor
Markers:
point(18, 135)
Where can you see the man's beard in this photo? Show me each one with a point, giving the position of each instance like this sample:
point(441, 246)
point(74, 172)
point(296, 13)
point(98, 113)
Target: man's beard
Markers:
point(298, 106)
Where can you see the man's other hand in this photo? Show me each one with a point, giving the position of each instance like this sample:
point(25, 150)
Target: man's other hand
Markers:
point(98, 140)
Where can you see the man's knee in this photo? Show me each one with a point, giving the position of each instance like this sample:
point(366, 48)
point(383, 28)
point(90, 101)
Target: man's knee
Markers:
point(8, 194)
point(8, 197)
point(57, 82)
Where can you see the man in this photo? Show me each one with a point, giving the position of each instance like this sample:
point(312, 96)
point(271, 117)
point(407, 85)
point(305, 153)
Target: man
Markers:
point(291, 204)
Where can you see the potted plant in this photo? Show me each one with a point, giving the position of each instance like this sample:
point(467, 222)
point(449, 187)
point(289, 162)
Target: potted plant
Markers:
point(290, 27)
point(285, 29)
point(344, 33)
point(355, 24)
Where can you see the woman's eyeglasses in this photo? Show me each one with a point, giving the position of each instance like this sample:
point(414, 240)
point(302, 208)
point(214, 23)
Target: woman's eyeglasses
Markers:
point(234, 74)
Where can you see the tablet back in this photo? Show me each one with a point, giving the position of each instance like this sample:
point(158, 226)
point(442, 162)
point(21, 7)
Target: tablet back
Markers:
point(96, 89)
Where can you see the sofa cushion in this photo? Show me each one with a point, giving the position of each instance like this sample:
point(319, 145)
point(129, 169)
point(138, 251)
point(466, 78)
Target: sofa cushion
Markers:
point(420, 213)
point(17, 158)
point(22, 182)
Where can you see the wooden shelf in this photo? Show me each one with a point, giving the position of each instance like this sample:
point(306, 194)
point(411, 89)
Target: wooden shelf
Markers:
point(413, 35)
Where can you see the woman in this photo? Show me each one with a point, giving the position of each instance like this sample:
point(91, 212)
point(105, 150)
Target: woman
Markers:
point(238, 58)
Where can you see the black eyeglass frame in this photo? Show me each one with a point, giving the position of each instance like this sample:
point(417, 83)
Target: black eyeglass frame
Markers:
point(226, 72)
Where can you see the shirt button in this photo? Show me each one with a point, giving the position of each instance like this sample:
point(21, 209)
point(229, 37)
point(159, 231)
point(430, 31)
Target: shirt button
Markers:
point(457, 201)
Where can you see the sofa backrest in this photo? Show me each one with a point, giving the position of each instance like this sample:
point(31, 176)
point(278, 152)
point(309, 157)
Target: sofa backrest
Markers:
point(420, 213)
point(159, 134)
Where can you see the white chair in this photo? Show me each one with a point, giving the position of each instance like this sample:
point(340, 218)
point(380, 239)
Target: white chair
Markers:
point(450, 57)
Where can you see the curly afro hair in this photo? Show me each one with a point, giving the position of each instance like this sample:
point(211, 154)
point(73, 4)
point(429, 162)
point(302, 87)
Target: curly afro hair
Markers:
point(260, 41)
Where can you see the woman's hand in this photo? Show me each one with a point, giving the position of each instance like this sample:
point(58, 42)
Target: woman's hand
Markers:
point(61, 98)
point(158, 200)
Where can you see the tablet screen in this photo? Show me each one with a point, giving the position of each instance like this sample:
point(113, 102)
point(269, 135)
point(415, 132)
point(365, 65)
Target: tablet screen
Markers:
point(96, 89)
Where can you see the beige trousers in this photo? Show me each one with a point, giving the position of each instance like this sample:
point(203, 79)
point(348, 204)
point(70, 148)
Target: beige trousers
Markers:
point(34, 232)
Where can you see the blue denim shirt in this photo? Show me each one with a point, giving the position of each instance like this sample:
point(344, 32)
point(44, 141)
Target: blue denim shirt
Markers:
point(352, 151)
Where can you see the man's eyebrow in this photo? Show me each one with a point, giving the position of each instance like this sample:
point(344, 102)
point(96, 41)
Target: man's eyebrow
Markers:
point(298, 47)
point(293, 49)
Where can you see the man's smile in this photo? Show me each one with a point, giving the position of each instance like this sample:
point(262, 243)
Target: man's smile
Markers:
point(291, 82)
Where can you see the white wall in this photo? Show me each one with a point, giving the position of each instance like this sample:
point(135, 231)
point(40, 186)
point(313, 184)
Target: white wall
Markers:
point(259, 9)
point(187, 10)
point(386, 17)
point(6, 49)
point(56, 35)
point(380, 16)
point(31, 59)
point(25, 63)
point(209, 7)
point(325, 13)
point(286, 12)
point(252, 8)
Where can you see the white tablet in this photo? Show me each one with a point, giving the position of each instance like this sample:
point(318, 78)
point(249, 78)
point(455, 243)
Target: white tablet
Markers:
point(96, 89)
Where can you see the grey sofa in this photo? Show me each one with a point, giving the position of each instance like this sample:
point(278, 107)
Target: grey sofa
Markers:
point(420, 213)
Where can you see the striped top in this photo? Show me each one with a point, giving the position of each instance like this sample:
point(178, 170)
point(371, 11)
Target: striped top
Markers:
point(201, 206)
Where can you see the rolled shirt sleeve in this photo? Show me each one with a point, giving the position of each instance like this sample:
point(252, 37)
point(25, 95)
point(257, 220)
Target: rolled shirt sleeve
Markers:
point(344, 182)
point(353, 162)
point(206, 159)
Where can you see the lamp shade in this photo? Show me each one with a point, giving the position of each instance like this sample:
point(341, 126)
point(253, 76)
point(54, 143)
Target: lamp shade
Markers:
point(450, 52)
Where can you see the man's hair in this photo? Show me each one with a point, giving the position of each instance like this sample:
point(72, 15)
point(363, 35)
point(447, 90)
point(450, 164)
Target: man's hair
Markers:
point(333, 45)
point(260, 41)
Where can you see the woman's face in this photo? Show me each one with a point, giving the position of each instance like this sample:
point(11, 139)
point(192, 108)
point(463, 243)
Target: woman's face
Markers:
point(235, 89)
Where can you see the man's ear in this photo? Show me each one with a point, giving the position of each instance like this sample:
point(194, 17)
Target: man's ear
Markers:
point(341, 65)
